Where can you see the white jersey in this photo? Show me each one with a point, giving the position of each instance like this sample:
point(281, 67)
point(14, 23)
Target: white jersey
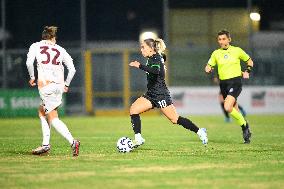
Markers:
point(50, 58)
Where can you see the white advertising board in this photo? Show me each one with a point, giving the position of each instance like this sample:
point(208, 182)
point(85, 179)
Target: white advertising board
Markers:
point(204, 100)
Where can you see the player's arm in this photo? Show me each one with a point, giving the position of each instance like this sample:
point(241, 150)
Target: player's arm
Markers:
point(211, 63)
point(248, 69)
point(154, 69)
point(30, 65)
point(249, 63)
point(68, 61)
point(208, 68)
point(215, 76)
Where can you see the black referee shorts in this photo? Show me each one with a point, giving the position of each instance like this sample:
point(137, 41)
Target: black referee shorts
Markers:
point(231, 87)
point(160, 100)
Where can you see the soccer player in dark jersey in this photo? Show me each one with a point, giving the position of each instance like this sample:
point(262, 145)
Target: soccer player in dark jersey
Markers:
point(227, 59)
point(157, 95)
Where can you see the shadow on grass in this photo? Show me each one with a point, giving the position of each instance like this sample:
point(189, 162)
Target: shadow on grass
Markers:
point(20, 152)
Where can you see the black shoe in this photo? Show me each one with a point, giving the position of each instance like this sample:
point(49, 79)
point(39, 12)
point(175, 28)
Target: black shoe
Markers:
point(246, 134)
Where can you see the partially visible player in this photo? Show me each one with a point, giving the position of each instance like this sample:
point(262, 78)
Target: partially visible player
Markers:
point(50, 58)
point(157, 95)
point(227, 58)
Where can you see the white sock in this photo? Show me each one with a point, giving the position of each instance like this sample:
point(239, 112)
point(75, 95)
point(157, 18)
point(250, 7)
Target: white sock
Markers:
point(45, 131)
point(61, 128)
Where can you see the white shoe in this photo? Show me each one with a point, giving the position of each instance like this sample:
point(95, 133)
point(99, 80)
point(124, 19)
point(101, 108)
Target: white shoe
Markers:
point(41, 150)
point(138, 140)
point(203, 135)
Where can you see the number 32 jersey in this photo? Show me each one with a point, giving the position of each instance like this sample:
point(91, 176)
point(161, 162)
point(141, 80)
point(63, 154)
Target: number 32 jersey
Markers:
point(50, 58)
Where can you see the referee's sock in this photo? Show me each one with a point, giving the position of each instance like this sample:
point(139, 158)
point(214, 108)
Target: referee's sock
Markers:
point(136, 123)
point(238, 117)
point(186, 123)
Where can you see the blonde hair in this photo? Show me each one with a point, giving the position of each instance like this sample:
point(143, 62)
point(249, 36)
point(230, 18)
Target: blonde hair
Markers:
point(49, 32)
point(158, 45)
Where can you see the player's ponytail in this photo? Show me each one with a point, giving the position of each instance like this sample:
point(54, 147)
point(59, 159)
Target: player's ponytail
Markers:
point(49, 32)
point(159, 46)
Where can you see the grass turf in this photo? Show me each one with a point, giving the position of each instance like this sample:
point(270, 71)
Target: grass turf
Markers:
point(172, 157)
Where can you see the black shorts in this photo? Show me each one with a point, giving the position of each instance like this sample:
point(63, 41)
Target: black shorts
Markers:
point(231, 87)
point(158, 101)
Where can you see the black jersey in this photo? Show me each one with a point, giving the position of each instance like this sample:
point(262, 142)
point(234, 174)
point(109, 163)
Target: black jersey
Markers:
point(155, 70)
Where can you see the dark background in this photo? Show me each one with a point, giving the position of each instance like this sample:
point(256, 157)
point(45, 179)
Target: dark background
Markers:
point(110, 19)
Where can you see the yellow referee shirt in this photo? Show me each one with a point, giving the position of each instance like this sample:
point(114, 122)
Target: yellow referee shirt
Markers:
point(228, 61)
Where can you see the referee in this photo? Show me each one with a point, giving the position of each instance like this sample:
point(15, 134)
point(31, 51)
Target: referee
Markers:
point(227, 59)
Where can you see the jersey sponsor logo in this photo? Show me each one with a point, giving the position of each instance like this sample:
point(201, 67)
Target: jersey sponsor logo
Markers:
point(226, 56)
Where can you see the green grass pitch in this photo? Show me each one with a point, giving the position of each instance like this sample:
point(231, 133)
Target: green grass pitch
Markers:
point(172, 157)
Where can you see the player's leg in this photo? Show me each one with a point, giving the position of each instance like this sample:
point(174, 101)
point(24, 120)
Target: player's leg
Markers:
point(226, 114)
point(171, 113)
point(45, 126)
point(232, 107)
point(245, 128)
point(59, 126)
point(62, 129)
point(45, 147)
point(139, 106)
point(242, 110)
point(52, 98)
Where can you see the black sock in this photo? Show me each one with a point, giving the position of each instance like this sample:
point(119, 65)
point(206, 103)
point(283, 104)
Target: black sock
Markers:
point(186, 123)
point(136, 123)
point(224, 111)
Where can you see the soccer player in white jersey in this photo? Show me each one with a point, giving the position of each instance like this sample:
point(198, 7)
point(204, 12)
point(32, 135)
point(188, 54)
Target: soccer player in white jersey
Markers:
point(51, 85)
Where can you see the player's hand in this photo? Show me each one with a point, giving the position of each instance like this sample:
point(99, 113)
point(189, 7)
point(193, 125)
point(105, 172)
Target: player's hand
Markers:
point(134, 64)
point(65, 89)
point(32, 82)
point(245, 75)
point(208, 69)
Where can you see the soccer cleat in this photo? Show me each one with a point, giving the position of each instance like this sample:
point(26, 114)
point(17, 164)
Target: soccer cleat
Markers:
point(75, 147)
point(138, 140)
point(246, 134)
point(41, 150)
point(202, 133)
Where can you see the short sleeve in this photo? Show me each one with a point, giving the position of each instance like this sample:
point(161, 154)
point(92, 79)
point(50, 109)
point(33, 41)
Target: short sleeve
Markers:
point(243, 55)
point(212, 61)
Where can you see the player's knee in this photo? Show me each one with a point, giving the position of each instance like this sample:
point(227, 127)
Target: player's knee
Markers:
point(52, 115)
point(133, 110)
point(228, 108)
point(41, 112)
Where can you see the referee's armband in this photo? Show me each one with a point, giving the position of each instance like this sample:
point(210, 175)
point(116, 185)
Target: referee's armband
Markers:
point(248, 69)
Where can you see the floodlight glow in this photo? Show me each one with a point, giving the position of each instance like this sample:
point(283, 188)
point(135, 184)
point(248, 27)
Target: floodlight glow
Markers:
point(254, 16)
point(148, 34)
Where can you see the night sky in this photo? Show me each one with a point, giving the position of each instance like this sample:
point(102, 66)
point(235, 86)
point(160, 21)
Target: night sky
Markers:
point(107, 19)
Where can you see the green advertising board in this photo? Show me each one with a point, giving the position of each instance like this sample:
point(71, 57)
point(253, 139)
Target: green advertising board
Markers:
point(19, 103)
